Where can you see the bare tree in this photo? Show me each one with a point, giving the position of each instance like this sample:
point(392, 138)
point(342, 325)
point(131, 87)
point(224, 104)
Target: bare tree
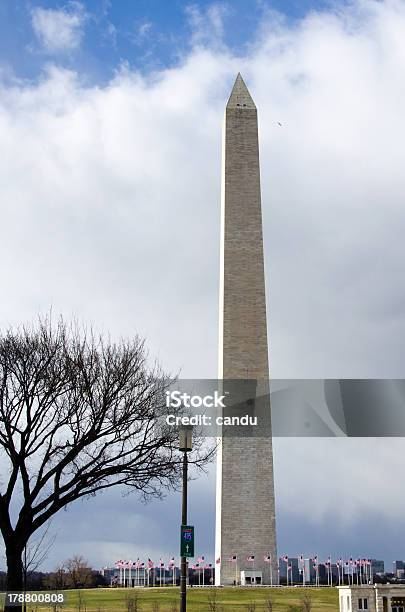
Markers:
point(251, 607)
point(306, 603)
point(78, 572)
point(78, 414)
point(81, 602)
point(36, 552)
point(132, 603)
point(56, 580)
point(213, 601)
point(268, 604)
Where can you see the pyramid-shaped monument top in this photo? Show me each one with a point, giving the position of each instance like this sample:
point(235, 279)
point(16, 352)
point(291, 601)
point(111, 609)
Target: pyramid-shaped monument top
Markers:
point(240, 96)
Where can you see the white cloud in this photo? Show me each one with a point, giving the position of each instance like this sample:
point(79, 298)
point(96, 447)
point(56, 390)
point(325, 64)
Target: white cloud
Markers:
point(142, 32)
point(59, 30)
point(144, 28)
point(207, 26)
point(111, 208)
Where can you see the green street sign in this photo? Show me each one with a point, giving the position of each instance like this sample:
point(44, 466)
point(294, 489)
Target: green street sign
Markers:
point(187, 541)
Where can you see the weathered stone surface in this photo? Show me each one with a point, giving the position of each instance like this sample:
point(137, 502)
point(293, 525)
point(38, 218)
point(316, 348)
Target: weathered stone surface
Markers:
point(245, 520)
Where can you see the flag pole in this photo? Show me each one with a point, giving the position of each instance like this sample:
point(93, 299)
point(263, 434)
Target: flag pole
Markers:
point(271, 570)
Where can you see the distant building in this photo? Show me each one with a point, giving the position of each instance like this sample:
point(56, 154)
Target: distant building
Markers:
point(399, 569)
point(282, 570)
point(132, 577)
point(294, 574)
point(294, 570)
point(377, 567)
point(111, 574)
point(310, 573)
point(335, 569)
point(322, 573)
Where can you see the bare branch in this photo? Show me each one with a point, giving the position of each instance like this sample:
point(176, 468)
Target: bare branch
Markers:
point(79, 414)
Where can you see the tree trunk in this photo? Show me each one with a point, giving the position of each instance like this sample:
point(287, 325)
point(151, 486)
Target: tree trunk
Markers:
point(15, 581)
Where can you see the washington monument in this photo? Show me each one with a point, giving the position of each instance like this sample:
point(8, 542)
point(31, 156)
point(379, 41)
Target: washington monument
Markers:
point(245, 514)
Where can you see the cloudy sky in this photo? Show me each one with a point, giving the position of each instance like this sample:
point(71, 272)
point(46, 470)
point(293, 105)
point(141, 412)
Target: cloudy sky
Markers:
point(110, 124)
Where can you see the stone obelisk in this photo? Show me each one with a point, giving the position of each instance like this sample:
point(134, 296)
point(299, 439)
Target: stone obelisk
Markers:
point(245, 511)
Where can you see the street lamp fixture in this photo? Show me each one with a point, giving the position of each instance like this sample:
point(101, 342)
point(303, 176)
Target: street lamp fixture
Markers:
point(186, 438)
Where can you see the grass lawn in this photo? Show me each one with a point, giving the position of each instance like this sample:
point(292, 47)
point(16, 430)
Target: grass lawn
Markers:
point(114, 600)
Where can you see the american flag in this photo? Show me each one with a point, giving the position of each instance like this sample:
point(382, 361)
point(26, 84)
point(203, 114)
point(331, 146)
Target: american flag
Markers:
point(267, 558)
point(150, 564)
point(250, 558)
point(200, 559)
point(233, 559)
point(142, 565)
point(162, 563)
point(208, 566)
point(171, 563)
point(138, 563)
point(285, 558)
point(218, 560)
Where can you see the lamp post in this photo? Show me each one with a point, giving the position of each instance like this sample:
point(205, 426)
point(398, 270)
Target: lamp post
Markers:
point(185, 445)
